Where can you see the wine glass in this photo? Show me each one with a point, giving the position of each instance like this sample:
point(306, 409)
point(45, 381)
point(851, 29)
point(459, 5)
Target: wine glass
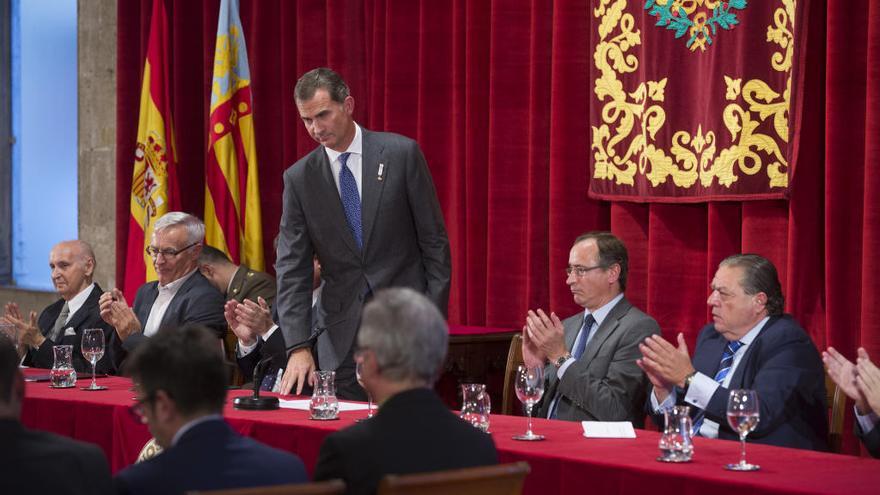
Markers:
point(529, 389)
point(359, 372)
point(93, 349)
point(743, 415)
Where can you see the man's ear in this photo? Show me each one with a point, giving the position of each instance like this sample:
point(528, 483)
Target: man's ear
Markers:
point(164, 408)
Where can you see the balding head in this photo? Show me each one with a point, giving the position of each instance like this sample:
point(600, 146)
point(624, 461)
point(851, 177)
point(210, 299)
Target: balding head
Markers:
point(73, 265)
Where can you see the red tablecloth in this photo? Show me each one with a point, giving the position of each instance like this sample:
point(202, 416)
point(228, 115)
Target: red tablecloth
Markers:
point(564, 463)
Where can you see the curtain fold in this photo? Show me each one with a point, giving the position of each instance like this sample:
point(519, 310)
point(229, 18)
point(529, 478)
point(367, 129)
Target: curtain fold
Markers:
point(497, 94)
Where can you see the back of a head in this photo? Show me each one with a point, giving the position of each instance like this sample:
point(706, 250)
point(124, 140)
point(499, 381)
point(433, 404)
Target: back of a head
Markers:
point(8, 369)
point(187, 364)
point(212, 255)
point(407, 333)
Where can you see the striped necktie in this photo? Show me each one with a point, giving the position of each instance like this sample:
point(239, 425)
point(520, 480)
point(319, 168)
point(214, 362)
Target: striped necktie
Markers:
point(723, 371)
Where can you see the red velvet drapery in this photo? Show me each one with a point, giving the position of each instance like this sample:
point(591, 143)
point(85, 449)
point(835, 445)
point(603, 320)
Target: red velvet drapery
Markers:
point(497, 93)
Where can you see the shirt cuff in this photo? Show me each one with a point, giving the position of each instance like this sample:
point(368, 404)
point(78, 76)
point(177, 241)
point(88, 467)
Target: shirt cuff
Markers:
point(701, 390)
point(244, 350)
point(867, 422)
point(269, 332)
point(668, 402)
point(561, 371)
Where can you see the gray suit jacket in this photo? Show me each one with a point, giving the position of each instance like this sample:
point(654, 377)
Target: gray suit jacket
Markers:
point(405, 242)
point(605, 384)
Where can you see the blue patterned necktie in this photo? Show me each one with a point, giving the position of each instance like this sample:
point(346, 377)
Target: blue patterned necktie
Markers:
point(580, 344)
point(351, 200)
point(723, 371)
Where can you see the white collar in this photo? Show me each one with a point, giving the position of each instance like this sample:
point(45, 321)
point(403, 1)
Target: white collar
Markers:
point(175, 285)
point(356, 146)
point(78, 300)
point(602, 313)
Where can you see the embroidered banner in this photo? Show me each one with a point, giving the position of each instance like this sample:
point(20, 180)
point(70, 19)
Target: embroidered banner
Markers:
point(692, 100)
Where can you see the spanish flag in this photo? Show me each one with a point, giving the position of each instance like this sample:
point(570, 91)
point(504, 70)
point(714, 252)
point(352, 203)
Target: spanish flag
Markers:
point(154, 189)
point(232, 191)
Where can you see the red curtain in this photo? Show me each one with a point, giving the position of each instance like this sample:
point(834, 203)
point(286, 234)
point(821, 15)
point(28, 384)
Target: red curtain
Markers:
point(497, 93)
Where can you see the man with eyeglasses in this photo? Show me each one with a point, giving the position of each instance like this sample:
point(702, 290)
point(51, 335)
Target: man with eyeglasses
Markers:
point(180, 387)
point(590, 358)
point(180, 296)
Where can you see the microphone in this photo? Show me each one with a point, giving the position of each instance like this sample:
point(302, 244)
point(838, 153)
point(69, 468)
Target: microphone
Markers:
point(257, 403)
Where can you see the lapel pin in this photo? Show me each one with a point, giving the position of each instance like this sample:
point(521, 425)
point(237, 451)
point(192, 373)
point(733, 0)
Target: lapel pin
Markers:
point(381, 174)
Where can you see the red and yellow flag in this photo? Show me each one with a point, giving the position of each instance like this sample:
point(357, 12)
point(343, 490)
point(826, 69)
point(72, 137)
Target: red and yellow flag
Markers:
point(154, 189)
point(233, 220)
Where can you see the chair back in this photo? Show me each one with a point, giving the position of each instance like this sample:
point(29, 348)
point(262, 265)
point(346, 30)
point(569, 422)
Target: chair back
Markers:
point(149, 450)
point(514, 359)
point(501, 479)
point(836, 400)
point(330, 487)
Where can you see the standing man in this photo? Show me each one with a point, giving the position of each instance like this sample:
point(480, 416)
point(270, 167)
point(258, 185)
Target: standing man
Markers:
point(749, 345)
point(592, 372)
point(365, 203)
point(63, 322)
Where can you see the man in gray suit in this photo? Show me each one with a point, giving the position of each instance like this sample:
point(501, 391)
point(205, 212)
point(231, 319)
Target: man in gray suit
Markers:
point(590, 358)
point(365, 203)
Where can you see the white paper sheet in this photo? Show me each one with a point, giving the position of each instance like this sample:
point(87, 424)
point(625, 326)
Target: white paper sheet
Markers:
point(608, 429)
point(303, 405)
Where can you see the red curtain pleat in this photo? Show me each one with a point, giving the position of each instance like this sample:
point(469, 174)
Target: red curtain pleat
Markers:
point(498, 95)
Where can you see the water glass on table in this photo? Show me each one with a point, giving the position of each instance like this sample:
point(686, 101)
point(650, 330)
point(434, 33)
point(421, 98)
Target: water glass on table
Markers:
point(324, 405)
point(62, 374)
point(529, 385)
point(93, 350)
point(743, 414)
point(359, 371)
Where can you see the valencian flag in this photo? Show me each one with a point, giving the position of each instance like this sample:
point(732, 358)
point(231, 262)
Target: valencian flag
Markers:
point(232, 192)
point(154, 189)
point(694, 100)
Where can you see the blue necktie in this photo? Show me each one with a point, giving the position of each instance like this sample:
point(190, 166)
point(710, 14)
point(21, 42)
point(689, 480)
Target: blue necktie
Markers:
point(723, 371)
point(580, 344)
point(351, 200)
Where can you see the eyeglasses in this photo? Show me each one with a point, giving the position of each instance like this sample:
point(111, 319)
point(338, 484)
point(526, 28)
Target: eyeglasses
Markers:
point(579, 271)
point(154, 252)
point(137, 409)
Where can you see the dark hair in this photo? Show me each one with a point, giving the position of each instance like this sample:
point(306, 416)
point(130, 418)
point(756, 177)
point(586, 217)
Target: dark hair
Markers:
point(186, 363)
point(759, 275)
point(210, 254)
point(8, 368)
point(321, 78)
point(611, 251)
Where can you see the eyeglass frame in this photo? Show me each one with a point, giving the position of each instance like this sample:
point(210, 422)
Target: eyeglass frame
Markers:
point(154, 252)
point(136, 410)
point(581, 271)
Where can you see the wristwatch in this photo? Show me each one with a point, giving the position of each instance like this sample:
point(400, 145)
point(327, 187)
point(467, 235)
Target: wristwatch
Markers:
point(688, 379)
point(562, 359)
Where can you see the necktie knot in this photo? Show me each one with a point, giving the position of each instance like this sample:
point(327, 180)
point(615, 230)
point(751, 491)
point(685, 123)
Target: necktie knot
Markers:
point(734, 346)
point(343, 159)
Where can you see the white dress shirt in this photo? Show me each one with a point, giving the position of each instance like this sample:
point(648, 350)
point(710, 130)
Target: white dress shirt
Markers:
point(160, 305)
point(78, 300)
point(354, 162)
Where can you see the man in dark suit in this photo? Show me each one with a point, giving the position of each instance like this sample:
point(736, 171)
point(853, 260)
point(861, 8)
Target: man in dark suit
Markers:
point(364, 202)
point(860, 382)
point(403, 341)
point(180, 296)
point(63, 322)
point(235, 282)
point(590, 357)
point(750, 345)
point(36, 461)
point(180, 382)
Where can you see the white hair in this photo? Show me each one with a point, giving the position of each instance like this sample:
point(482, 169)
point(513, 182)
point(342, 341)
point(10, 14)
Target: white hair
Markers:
point(195, 228)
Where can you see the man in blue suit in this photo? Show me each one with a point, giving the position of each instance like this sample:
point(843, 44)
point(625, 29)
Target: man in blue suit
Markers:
point(750, 345)
point(180, 296)
point(180, 380)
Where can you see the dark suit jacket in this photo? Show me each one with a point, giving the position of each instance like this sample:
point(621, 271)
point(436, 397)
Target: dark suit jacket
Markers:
point(211, 456)
point(197, 302)
point(251, 284)
point(412, 432)
point(87, 316)
point(605, 384)
point(41, 462)
point(783, 366)
point(871, 439)
point(272, 348)
point(404, 236)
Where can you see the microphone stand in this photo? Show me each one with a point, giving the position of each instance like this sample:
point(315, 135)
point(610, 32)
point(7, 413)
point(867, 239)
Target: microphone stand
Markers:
point(257, 403)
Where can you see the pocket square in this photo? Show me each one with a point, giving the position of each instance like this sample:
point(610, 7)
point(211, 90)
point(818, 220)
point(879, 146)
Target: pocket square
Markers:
point(69, 331)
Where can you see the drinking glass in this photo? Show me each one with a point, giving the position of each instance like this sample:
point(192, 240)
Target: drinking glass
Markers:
point(324, 405)
point(529, 384)
point(475, 405)
point(62, 374)
point(743, 416)
point(92, 347)
point(675, 441)
point(358, 371)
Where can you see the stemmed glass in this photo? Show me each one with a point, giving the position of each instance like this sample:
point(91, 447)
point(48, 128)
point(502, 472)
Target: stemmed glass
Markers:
point(93, 349)
point(359, 371)
point(743, 415)
point(529, 390)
